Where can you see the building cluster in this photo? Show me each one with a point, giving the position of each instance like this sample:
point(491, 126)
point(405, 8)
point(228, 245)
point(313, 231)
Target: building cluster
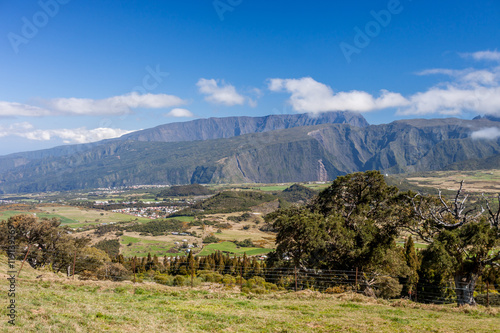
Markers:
point(148, 212)
point(8, 202)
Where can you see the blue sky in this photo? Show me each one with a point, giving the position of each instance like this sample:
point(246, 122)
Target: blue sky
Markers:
point(75, 71)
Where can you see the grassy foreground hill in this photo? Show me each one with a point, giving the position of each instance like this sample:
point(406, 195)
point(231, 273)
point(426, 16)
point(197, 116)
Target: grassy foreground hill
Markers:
point(55, 303)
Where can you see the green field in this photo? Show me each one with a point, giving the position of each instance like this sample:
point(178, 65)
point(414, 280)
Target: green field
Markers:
point(9, 213)
point(231, 248)
point(79, 215)
point(141, 247)
point(417, 245)
point(271, 188)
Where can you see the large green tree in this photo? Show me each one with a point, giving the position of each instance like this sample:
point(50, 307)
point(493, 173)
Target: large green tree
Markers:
point(47, 244)
point(299, 233)
point(363, 222)
point(353, 223)
point(463, 240)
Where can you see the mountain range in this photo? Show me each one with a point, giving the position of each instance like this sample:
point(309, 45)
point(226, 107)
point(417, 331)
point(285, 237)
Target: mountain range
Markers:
point(271, 149)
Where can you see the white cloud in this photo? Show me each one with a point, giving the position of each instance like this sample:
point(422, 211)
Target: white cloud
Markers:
point(76, 135)
point(490, 133)
point(444, 71)
point(252, 102)
point(308, 95)
point(177, 112)
point(10, 109)
point(453, 100)
point(117, 105)
point(468, 76)
point(466, 90)
point(471, 90)
point(484, 55)
point(224, 94)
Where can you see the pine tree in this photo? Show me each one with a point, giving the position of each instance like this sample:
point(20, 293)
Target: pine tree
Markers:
point(191, 263)
point(413, 263)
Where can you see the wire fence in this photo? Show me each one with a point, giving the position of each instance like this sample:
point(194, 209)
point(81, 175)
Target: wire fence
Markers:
point(259, 278)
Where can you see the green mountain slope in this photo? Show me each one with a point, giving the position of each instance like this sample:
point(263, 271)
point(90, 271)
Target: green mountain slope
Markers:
point(307, 153)
point(199, 129)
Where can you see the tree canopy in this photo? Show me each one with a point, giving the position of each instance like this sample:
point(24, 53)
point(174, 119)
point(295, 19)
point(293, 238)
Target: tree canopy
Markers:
point(463, 240)
point(353, 223)
point(356, 220)
point(47, 244)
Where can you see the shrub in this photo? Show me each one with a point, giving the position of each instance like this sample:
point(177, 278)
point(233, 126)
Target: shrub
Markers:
point(113, 271)
point(229, 280)
point(257, 285)
point(164, 279)
point(335, 290)
point(179, 280)
point(388, 287)
point(243, 217)
point(157, 226)
point(111, 247)
point(87, 275)
point(210, 239)
point(210, 276)
point(245, 243)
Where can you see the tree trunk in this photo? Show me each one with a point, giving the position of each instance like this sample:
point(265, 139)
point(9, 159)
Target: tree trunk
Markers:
point(465, 283)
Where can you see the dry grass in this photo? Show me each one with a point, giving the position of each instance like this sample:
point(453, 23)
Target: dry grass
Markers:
point(479, 181)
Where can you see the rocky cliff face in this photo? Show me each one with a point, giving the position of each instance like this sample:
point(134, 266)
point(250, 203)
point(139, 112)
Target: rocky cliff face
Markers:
point(195, 130)
point(216, 128)
point(303, 153)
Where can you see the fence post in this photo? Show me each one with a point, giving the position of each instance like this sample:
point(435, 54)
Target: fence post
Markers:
point(295, 273)
point(488, 294)
point(74, 262)
point(26, 256)
point(192, 276)
point(356, 283)
point(133, 268)
point(241, 276)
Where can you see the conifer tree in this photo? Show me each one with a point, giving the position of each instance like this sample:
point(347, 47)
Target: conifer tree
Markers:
point(413, 264)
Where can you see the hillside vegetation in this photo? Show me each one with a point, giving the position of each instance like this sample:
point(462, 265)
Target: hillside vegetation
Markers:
point(185, 190)
point(297, 194)
point(228, 202)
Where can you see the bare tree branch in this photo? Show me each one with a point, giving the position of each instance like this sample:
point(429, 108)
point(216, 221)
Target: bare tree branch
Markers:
point(493, 218)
